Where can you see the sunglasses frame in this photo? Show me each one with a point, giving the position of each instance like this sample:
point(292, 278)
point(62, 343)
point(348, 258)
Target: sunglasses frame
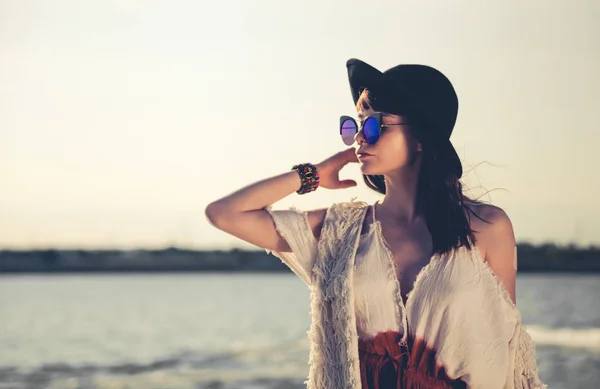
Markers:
point(378, 116)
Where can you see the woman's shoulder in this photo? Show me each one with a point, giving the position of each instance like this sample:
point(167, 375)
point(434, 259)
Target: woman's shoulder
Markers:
point(490, 213)
point(490, 223)
point(495, 239)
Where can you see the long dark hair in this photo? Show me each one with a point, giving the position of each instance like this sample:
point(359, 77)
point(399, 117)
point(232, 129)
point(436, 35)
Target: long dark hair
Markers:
point(440, 195)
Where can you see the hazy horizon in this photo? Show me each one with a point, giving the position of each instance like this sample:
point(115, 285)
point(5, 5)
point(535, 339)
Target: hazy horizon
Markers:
point(121, 120)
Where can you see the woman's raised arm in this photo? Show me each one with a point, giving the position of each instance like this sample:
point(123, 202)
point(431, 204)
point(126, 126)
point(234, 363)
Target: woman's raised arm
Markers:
point(243, 213)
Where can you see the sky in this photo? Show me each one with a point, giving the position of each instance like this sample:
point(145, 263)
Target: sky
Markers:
point(121, 120)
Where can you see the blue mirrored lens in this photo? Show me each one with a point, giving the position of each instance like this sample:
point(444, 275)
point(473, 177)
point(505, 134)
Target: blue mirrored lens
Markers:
point(348, 131)
point(371, 130)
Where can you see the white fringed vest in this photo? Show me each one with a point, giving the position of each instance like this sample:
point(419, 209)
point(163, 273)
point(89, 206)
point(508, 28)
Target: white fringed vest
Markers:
point(333, 357)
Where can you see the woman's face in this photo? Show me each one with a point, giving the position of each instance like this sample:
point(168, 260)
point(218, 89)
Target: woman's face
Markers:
point(396, 148)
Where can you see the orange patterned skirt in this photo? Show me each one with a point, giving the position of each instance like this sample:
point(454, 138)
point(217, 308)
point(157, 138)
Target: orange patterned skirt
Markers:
point(384, 364)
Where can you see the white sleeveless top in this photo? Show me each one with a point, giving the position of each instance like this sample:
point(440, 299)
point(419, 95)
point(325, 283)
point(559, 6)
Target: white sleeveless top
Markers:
point(450, 289)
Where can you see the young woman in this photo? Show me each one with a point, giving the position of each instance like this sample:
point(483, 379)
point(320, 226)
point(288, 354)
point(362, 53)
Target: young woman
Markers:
point(416, 290)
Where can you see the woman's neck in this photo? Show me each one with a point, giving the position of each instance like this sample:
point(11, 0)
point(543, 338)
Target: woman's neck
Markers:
point(400, 200)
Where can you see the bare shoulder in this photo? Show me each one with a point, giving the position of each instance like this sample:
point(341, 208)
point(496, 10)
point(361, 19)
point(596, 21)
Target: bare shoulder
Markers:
point(488, 212)
point(495, 229)
point(496, 241)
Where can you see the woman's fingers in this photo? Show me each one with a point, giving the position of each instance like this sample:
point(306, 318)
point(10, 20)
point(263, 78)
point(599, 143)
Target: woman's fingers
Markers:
point(350, 155)
point(329, 169)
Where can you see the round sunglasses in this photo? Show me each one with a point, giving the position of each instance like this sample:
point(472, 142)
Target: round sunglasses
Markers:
point(371, 127)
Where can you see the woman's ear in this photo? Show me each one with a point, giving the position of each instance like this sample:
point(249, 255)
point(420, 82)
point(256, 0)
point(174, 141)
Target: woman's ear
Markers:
point(419, 147)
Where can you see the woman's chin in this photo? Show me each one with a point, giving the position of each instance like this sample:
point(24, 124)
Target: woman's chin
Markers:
point(366, 169)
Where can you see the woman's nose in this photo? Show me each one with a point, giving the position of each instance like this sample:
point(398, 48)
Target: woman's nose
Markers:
point(358, 137)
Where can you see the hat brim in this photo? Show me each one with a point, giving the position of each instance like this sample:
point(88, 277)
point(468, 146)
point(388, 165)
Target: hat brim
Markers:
point(362, 76)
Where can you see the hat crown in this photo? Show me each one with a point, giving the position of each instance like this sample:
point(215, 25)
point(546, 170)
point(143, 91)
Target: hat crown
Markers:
point(416, 90)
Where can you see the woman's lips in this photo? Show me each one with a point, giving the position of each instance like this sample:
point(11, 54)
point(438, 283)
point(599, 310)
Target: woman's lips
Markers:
point(363, 155)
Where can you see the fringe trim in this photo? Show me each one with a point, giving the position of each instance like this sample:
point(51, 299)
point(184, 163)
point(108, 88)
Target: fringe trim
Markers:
point(333, 358)
point(526, 370)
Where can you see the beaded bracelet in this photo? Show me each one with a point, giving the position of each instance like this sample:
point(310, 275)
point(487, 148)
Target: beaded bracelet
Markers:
point(309, 177)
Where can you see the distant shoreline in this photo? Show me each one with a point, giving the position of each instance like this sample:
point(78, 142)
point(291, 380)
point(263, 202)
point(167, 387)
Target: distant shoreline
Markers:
point(545, 258)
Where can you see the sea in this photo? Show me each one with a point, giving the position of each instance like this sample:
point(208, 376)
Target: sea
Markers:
point(230, 330)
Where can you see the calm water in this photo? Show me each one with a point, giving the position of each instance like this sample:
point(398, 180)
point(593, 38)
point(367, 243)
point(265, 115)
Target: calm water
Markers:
point(206, 331)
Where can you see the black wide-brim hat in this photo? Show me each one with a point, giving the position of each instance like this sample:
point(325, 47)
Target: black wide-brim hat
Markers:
point(419, 92)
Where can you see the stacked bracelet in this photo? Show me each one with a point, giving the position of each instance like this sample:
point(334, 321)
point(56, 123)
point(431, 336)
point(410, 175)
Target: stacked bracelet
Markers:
point(309, 177)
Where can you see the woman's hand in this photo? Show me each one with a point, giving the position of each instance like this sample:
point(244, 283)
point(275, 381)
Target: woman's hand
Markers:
point(330, 168)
